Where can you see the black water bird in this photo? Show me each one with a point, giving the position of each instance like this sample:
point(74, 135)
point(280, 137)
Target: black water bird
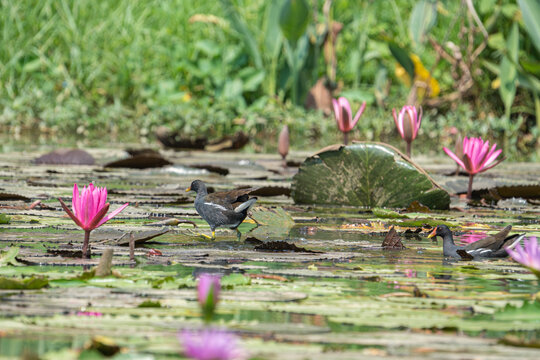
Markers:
point(492, 246)
point(222, 209)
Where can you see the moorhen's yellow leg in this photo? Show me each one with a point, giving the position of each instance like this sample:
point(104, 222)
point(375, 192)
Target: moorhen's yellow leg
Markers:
point(206, 236)
point(238, 234)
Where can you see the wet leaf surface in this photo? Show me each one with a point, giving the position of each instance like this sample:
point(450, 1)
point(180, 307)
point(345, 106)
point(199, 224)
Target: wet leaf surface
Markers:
point(365, 174)
point(350, 300)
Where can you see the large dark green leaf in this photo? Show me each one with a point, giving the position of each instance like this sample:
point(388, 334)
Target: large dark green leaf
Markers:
point(272, 38)
point(402, 58)
point(530, 10)
point(365, 174)
point(508, 70)
point(423, 17)
point(240, 25)
point(294, 18)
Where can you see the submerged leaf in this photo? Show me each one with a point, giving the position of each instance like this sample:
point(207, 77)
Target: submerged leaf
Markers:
point(282, 246)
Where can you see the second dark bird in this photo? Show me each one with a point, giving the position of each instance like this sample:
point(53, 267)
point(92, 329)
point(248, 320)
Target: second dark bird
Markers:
point(492, 246)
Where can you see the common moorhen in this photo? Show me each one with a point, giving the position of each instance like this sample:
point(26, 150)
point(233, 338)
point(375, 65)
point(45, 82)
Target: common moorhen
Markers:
point(222, 209)
point(489, 247)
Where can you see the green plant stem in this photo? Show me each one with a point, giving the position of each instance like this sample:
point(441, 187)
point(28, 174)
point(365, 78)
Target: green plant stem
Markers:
point(346, 138)
point(86, 243)
point(397, 14)
point(469, 190)
point(409, 149)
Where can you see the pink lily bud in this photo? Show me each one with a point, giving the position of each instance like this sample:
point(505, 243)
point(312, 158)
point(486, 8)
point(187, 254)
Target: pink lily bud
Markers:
point(343, 115)
point(208, 289)
point(283, 142)
point(408, 123)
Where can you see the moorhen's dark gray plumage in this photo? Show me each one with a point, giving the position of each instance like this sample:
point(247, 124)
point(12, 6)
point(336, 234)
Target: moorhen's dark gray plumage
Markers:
point(222, 209)
point(488, 247)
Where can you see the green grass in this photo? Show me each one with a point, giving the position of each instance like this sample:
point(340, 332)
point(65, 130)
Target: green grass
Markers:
point(116, 70)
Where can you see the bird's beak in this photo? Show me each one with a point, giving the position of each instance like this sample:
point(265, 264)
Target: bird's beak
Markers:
point(188, 189)
point(433, 233)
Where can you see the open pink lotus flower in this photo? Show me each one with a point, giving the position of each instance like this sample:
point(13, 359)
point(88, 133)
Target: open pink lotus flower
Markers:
point(343, 114)
point(477, 157)
point(90, 210)
point(408, 123)
point(211, 344)
point(528, 255)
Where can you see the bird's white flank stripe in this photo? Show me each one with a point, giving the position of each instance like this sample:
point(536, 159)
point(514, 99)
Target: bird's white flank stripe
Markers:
point(217, 206)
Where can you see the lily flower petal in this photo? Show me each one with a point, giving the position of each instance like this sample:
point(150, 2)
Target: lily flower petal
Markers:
point(454, 157)
point(358, 114)
point(112, 214)
point(90, 207)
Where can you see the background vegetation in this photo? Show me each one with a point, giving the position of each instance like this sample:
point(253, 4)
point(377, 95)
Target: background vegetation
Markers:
point(118, 69)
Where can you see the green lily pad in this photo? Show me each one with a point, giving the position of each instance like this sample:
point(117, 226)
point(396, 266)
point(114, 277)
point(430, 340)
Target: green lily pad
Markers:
point(274, 221)
point(9, 257)
point(23, 284)
point(365, 174)
point(4, 219)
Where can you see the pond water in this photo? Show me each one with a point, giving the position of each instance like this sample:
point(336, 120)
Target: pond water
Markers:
point(346, 299)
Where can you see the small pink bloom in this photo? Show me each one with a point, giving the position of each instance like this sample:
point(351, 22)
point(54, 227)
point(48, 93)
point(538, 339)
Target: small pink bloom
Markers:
point(211, 344)
point(477, 156)
point(208, 283)
point(343, 115)
point(528, 255)
point(90, 207)
point(89, 313)
point(410, 273)
point(408, 122)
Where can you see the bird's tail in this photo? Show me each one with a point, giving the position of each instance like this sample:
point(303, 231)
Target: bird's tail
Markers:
point(245, 205)
point(512, 242)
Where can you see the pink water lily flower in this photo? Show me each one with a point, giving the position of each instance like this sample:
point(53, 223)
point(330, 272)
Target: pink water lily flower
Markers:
point(477, 157)
point(90, 211)
point(208, 289)
point(528, 255)
point(211, 344)
point(408, 123)
point(343, 115)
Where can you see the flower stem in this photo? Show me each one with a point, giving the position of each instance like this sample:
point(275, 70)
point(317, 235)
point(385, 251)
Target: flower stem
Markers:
point(346, 138)
point(86, 243)
point(409, 149)
point(469, 190)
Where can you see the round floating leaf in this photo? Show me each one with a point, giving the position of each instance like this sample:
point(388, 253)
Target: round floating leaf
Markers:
point(365, 174)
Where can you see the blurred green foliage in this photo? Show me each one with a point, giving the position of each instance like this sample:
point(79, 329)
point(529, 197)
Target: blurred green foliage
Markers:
point(96, 68)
